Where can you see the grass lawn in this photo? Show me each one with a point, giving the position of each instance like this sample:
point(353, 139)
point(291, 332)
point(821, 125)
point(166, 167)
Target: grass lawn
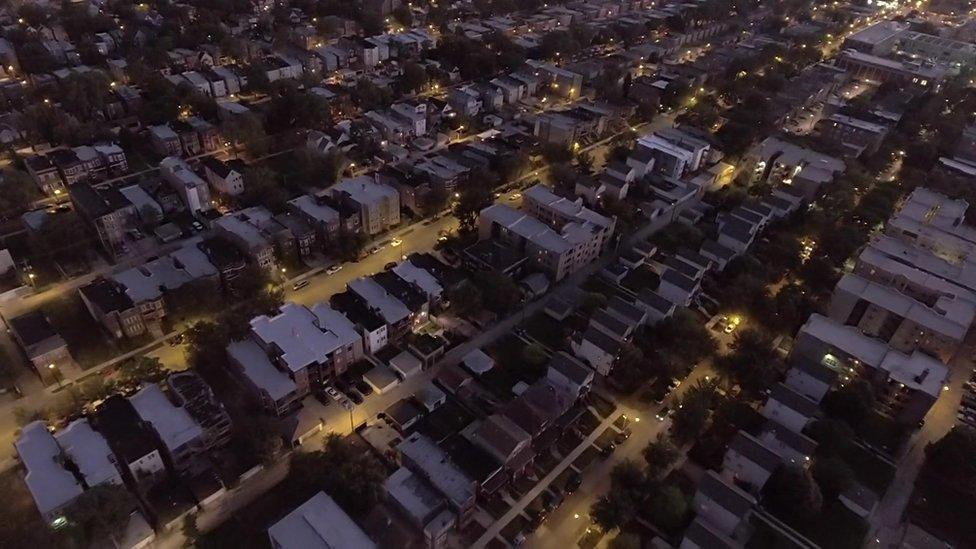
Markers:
point(588, 422)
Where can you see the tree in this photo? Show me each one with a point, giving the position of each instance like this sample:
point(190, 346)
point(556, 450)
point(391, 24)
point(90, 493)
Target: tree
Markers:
point(833, 436)
point(353, 478)
point(473, 199)
point(659, 455)
point(690, 419)
point(61, 233)
point(536, 360)
point(668, 507)
point(584, 161)
point(500, 293)
point(98, 513)
point(625, 540)
point(17, 192)
point(950, 460)
point(833, 475)
point(261, 188)
point(414, 77)
point(852, 403)
point(247, 130)
point(627, 490)
point(791, 495)
point(593, 301)
point(465, 299)
point(206, 345)
point(752, 360)
point(257, 76)
point(369, 96)
point(141, 370)
point(403, 15)
point(433, 201)
point(262, 438)
point(150, 216)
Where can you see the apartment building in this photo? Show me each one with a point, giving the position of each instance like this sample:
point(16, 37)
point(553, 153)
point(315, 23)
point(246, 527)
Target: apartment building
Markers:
point(190, 187)
point(675, 152)
point(249, 239)
point(109, 305)
point(906, 384)
point(193, 394)
point(855, 134)
point(782, 163)
point(290, 352)
point(922, 75)
point(378, 205)
point(901, 321)
point(108, 212)
point(181, 436)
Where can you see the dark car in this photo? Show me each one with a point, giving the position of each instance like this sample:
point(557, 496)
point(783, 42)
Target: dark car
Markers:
point(536, 518)
point(354, 396)
point(553, 499)
point(362, 387)
point(573, 483)
point(322, 397)
point(389, 265)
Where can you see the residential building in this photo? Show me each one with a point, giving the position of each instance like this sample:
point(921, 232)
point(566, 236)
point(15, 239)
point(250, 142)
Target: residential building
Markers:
point(180, 435)
point(51, 485)
point(597, 349)
point(782, 163)
point(922, 75)
point(378, 205)
point(226, 178)
point(193, 394)
point(570, 375)
point(901, 321)
point(906, 385)
point(422, 505)
point(675, 152)
point(132, 441)
point(45, 349)
point(722, 505)
point(109, 305)
point(397, 316)
point(248, 238)
point(574, 237)
point(789, 408)
point(319, 523)
point(193, 190)
point(858, 135)
point(429, 461)
point(274, 390)
point(108, 212)
point(748, 460)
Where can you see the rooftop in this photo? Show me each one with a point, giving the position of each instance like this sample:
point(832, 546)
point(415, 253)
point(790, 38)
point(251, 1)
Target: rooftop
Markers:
point(89, 451)
point(174, 425)
point(319, 523)
point(259, 369)
point(438, 468)
point(51, 485)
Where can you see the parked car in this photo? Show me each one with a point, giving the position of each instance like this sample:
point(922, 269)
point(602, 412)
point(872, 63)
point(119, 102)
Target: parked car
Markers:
point(573, 483)
point(334, 269)
point(362, 387)
point(299, 285)
point(329, 390)
point(663, 413)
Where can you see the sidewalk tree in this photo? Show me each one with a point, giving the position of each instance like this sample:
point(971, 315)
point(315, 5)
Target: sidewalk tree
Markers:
point(659, 455)
point(472, 200)
point(98, 513)
point(668, 507)
point(791, 495)
point(352, 477)
point(833, 475)
point(689, 419)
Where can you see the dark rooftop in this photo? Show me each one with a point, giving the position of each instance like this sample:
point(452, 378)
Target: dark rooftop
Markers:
point(124, 430)
point(32, 328)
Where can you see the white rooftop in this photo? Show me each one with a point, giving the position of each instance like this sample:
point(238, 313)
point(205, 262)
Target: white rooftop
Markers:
point(319, 523)
point(365, 190)
point(89, 451)
point(478, 362)
point(389, 307)
point(174, 424)
point(49, 483)
point(304, 337)
point(320, 212)
point(438, 468)
point(259, 369)
point(426, 281)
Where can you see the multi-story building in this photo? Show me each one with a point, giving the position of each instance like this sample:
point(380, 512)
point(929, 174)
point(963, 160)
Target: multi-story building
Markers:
point(901, 321)
point(182, 438)
point(45, 349)
point(858, 135)
point(675, 152)
point(780, 162)
point(132, 441)
point(922, 75)
point(937, 49)
point(906, 384)
point(109, 305)
point(378, 204)
point(248, 238)
point(193, 190)
point(556, 234)
point(290, 352)
point(226, 178)
point(194, 395)
point(108, 212)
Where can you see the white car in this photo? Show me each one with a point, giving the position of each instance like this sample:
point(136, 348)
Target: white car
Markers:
point(334, 269)
point(396, 242)
point(333, 393)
